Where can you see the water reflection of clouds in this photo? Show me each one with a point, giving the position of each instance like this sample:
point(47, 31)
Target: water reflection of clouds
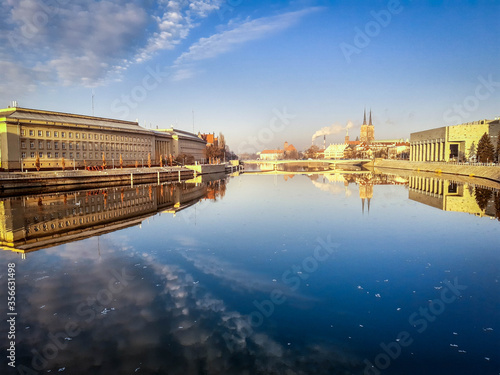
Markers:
point(161, 321)
point(332, 187)
point(237, 279)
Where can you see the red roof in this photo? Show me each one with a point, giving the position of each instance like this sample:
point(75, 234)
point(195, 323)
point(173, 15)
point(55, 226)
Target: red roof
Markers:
point(272, 152)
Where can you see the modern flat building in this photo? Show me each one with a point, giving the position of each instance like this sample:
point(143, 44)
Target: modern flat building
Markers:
point(32, 138)
point(451, 143)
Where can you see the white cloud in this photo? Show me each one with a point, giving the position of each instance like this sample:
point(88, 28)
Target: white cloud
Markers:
point(178, 18)
point(82, 42)
point(246, 31)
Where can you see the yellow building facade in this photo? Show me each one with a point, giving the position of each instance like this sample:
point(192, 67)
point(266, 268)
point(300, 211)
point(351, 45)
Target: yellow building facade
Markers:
point(52, 140)
point(451, 143)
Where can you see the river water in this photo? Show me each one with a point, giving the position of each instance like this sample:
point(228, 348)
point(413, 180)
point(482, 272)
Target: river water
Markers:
point(356, 273)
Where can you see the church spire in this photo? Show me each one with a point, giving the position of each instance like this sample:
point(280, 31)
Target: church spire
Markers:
point(370, 117)
point(364, 118)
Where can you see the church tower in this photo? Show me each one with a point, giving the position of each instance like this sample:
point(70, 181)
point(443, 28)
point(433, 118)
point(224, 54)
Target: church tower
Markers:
point(367, 134)
point(370, 131)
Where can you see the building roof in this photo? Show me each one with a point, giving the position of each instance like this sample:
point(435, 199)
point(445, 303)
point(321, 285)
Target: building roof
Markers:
point(272, 152)
point(61, 118)
point(36, 116)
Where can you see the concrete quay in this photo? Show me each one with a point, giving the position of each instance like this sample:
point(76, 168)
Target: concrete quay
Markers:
point(18, 182)
point(478, 170)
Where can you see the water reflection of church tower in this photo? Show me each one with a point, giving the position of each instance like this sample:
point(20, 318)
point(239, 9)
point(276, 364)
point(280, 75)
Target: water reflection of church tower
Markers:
point(365, 192)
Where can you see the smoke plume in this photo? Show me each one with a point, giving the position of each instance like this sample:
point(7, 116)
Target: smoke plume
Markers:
point(333, 129)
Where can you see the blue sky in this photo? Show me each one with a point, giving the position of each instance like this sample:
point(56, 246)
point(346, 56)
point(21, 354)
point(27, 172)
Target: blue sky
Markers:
point(261, 72)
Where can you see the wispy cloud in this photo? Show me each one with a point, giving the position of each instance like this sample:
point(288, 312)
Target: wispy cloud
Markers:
point(249, 30)
point(86, 43)
point(175, 22)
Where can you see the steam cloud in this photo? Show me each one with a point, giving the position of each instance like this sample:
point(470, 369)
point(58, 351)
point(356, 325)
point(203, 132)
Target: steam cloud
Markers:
point(333, 129)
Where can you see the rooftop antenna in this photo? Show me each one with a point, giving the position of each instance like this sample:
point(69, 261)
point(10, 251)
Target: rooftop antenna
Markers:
point(92, 102)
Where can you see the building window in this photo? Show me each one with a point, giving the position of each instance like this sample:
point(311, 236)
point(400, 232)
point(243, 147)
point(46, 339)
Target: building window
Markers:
point(107, 137)
point(56, 145)
point(63, 134)
point(49, 145)
point(32, 154)
point(102, 137)
point(70, 134)
point(40, 145)
point(40, 133)
point(77, 135)
point(23, 144)
point(78, 155)
point(32, 145)
point(47, 134)
point(63, 145)
point(97, 155)
point(96, 136)
point(71, 145)
point(23, 155)
point(49, 154)
point(56, 154)
point(23, 132)
point(84, 155)
point(40, 154)
point(102, 147)
point(63, 154)
point(90, 146)
point(84, 146)
point(56, 134)
point(112, 137)
point(71, 155)
point(32, 133)
point(84, 136)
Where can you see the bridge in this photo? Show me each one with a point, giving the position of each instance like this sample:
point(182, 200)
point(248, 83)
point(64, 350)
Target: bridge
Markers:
point(312, 162)
point(328, 172)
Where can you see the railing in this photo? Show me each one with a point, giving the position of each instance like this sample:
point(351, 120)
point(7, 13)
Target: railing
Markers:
point(460, 163)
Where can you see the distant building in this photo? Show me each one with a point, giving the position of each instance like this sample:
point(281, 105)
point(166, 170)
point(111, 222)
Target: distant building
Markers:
point(335, 151)
point(367, 134)
point(271, 155)
point(210, 138)
point(288, 150)
point(448, 143)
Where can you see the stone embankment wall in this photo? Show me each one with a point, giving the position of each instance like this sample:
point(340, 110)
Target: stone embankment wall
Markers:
point(490, 172)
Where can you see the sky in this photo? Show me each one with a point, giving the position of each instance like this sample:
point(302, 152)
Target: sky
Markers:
point(260, 72)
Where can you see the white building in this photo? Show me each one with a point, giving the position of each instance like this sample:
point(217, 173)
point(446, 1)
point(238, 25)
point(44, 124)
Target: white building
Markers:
point(335, 151)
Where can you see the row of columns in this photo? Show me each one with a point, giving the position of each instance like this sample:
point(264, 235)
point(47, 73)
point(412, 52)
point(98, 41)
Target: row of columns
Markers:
point(432, 186)
point(433, 150)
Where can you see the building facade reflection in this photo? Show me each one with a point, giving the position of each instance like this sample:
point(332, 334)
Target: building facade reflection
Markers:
point(449, 195)
point(29, 223)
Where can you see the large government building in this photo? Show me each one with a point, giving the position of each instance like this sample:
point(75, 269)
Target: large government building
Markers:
point(32, 138)
point(451, 143)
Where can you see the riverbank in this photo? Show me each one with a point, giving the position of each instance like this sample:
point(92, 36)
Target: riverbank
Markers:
point(478, 171)
point(17, 182)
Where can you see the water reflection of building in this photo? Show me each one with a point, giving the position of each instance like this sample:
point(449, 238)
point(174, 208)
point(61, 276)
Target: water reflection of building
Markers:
point(363, 179)
point(448, 195)
point(29, 223)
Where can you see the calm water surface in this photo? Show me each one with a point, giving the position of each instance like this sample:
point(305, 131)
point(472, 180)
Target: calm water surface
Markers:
point(258, 274)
